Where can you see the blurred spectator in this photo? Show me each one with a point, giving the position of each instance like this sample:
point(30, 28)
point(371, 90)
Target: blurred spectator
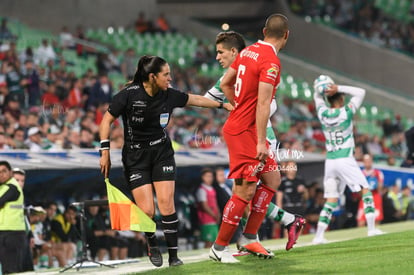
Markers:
point(18, 139)
point(114, 59)
point(409, 138)
point(34, 140)
point(44, 53)
point(97, 233)
point(3, 142)
point(162, 24)
point(103, 64)
point(64, 234)
point(375, 180)
point(129, 64)
point(292, 193)
point(31, 77)
point(397, 147)
point(142, 25)
point(49, 98)
point(66, 39)
point(13, 110)
point(15, 82)
point(223, 190)
point(5, 33)
point(207, 210)
point(314, 207)
point(76, 98)
point(202, 54)
point(391, 161)
point(405, 199)
point(56, 249)
point(42, 250)
point(101, 92)
point(20, 176)
point(392, 205)
point(86, 139)
point(27, 54)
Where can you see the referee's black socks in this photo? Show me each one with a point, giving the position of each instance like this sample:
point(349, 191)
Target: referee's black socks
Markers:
point(151, 239)
point(170, 226)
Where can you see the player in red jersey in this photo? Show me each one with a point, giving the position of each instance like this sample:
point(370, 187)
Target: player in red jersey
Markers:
point(375, 180)
point(250, 84)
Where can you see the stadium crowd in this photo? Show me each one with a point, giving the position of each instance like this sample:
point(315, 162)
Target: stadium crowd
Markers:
point(362, 19)
point(45, 106)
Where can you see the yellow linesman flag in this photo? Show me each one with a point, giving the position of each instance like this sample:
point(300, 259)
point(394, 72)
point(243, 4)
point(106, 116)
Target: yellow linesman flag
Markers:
point(126, 215)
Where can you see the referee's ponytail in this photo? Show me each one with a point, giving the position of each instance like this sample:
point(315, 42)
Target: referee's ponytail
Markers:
point(146, 65)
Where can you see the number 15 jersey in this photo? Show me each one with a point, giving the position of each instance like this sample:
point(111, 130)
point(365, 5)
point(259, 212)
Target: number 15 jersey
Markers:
point(256, 63)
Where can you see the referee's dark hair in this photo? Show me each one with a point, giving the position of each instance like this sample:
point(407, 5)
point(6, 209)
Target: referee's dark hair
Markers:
point(147, 65)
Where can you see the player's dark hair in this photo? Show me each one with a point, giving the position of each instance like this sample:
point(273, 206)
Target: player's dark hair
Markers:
point(230, 40)
point(276, 25)
point(147, 65)
point(334, 98)
point(5, 163)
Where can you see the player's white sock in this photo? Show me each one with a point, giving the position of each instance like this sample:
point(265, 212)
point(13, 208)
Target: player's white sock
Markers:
point(369, 210)
point(325, 218)
point(320, 230)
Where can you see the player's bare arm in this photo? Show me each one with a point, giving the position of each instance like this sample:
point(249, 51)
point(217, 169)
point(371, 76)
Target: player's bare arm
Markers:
point(227, 84)
point(262, 116)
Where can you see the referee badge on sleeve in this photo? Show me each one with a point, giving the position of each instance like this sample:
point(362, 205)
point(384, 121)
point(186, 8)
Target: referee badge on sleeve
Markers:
point(164, 119)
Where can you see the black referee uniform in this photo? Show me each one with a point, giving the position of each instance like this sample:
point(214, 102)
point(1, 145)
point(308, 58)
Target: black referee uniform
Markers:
point(147, 154)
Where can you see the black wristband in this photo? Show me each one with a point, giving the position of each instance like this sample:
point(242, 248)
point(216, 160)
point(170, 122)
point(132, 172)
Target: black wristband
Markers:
point(105, 144)
point(220, 106)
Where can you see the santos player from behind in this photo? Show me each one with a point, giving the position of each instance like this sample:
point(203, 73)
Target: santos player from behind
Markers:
point(341, 168)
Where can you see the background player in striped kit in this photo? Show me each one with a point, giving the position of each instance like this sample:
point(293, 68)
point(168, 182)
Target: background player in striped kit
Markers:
point(341, 168)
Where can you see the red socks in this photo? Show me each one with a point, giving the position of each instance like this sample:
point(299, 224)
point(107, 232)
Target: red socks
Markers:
point(260, 203)
point(232, 213)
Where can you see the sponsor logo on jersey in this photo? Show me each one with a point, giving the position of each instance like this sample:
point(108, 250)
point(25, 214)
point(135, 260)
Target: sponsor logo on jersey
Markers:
point(137, 119)
point(249, 54)
point(164, 119)
point(273, 71)
point(139, 103)
point(133, 87)
point(168, 169)
point(135, 177)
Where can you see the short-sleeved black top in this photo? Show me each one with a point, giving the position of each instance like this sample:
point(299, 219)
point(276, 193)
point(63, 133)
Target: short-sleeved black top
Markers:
point(145, 117)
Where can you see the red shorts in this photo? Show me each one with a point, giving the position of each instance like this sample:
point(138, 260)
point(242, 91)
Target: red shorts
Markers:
point(242, 154)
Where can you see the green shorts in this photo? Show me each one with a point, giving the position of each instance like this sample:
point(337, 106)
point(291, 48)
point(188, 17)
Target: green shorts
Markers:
point(209, 232)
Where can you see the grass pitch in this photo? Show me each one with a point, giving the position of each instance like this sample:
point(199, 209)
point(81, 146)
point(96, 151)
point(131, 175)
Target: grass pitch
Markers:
point(350, 252)
point(392, 253)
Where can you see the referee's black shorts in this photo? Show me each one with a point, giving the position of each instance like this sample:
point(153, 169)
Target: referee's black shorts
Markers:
point(144, 166)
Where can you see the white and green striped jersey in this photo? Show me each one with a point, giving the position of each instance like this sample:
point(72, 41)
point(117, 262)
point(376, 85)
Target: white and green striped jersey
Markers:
point(337, 123)
point(215, 93)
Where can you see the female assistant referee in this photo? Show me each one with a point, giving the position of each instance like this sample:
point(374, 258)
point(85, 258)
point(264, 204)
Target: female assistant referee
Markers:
point(146, 105)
